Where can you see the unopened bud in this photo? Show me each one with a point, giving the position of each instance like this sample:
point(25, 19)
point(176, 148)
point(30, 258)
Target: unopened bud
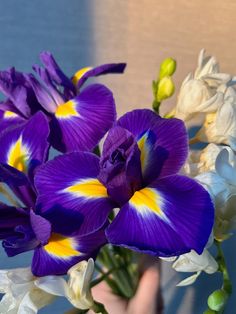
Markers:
point(209, 312)
point(166, 89)
point(167, 68)
point(217, 300)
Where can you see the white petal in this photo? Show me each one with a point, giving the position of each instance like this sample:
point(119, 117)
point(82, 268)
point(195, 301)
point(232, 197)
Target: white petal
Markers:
point(189, 280)
point(54, 285)
point(20, 275)
point(8, 304)
point(224, 169)
point(4, 280)
point(169, 259)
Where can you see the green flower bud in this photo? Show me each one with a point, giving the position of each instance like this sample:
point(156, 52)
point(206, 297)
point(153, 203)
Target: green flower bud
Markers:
point(166, 89)
point(167, 68)
point(217, 300)
point(209, 312)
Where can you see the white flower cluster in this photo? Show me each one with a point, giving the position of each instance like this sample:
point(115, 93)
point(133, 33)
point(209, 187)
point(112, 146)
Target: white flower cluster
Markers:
point(212, 94)
point(26, 294)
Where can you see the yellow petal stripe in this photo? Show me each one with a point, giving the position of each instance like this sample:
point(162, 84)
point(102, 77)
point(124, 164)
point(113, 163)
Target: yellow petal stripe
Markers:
point(89, 188)
point(147, 200)
point(77, 76)
point(61, 247)
point(144, 149)
point(67, 110)
point(9, 114)
point(18, 155)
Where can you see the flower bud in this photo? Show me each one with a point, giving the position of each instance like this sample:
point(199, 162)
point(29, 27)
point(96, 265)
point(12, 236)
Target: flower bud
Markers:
point(167, 68)
point(217, 300)
point(209, 312)
point(165, 89)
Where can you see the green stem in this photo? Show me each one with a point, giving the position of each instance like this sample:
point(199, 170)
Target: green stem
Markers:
point(99, 308)
point(101, 278)
point(156, 106)
point(123, 276)
point(227, 285)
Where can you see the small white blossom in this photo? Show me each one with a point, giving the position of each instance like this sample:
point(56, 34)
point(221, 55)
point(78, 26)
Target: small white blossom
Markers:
point(220, 126)
point(77, 289)
point(21, 295)
point(203, 91)
point(202, 161)
point(221, 184)
point(193, 262)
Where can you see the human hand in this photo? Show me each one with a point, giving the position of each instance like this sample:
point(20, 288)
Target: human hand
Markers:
point(147, 300)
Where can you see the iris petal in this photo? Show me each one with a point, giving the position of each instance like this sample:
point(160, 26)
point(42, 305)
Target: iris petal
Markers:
point(80, 123)
point(62, 252)
point(169, 218)
point(165, 142)
point(68, 187)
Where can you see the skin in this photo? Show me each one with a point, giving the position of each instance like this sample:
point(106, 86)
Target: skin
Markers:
point(147, 300)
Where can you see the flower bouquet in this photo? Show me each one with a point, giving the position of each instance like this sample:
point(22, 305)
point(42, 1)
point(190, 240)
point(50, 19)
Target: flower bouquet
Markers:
point(92, 211)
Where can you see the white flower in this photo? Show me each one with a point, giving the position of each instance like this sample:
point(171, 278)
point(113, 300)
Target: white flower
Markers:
point(192, 262)
point(21, 295)
point(77, 289)
point(221, 184)
point(220, 126)
point(202, 161)
point(202, 91)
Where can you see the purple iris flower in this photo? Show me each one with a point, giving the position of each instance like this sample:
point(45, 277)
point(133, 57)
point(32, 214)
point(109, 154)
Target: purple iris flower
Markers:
point(21, 102)
point(78, 120)
point(57, 243)
point(161, 212)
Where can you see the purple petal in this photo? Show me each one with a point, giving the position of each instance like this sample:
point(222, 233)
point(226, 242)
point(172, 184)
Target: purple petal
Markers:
point(80, 123)
point(168, 154)
point(170, 217)
point(41, 227)
point(54, 92)
point(70, 195)
point(9, 119)
point(82, 75)
point(61, 253)
point(42, 94)
point(25, 193)
point(120, 165)
point(26, 146)
point(24, 240)
point(138, 121)
point(15, 86)
point(10, 218)
point(12, 176)
point(55, 72)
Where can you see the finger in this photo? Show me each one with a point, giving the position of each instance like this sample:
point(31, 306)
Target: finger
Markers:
point(148, 299)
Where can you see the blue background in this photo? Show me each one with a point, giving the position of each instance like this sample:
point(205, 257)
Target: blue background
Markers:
point(26, 29)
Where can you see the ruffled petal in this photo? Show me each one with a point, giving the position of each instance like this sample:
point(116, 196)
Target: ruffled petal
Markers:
point(70, 195)
point(42, 94)
point(80, 123)
point(120, 165)
point(168, 218)
point(55, 72)
point(157, 143)
point(14, 86)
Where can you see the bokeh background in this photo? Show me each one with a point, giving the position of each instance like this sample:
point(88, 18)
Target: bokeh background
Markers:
point(88, 32)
